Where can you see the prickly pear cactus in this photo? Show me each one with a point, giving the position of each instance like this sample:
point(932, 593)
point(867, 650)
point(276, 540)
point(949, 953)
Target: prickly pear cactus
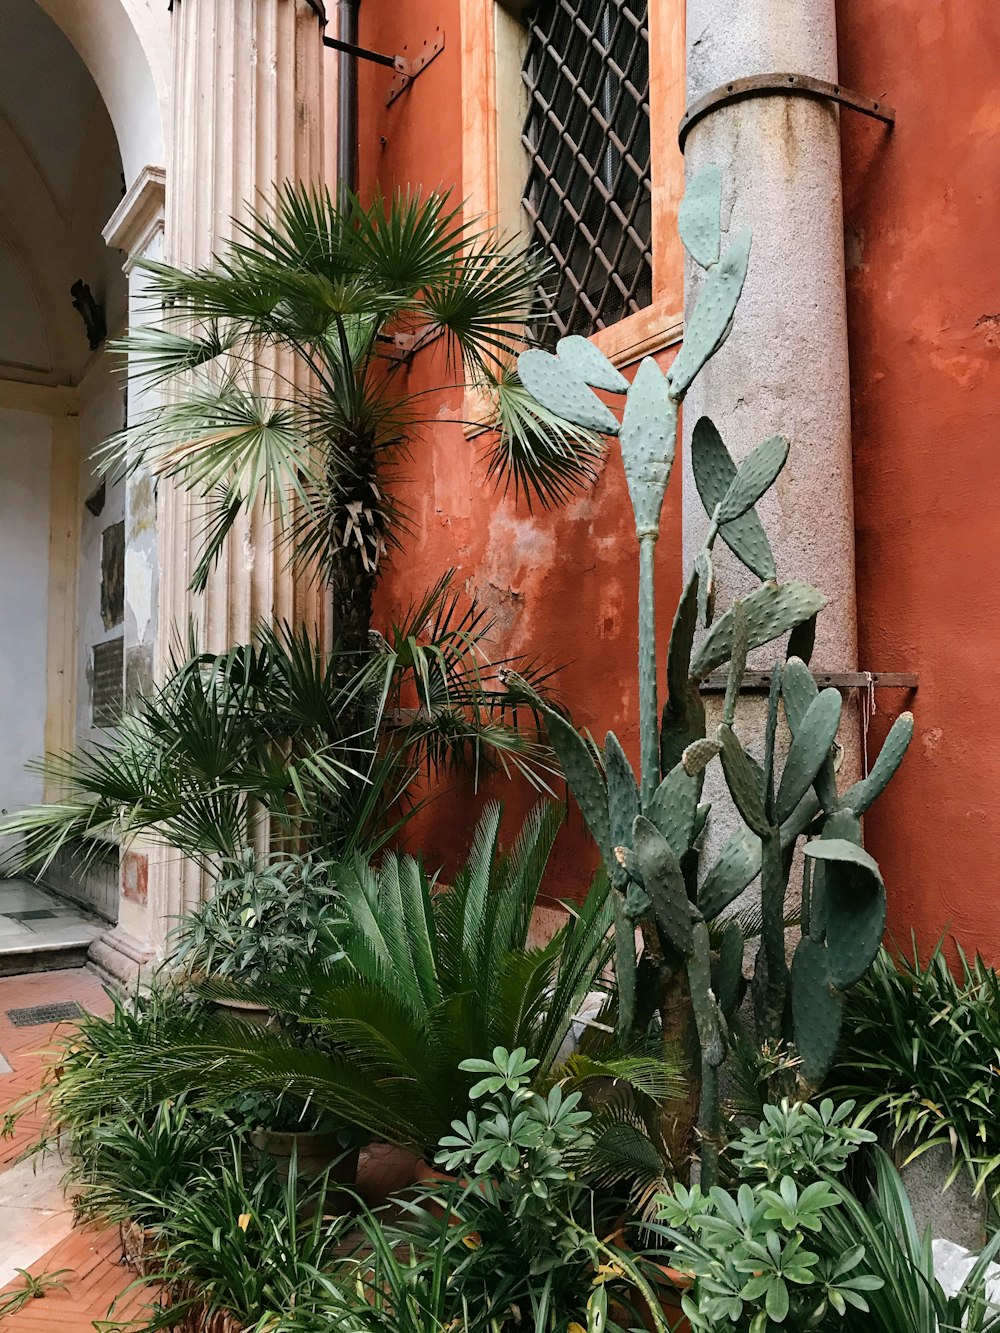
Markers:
point(649, 827)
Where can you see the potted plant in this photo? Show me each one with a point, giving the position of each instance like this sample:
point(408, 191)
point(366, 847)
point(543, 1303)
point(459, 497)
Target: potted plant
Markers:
point(263, 919)
point(286, 1128)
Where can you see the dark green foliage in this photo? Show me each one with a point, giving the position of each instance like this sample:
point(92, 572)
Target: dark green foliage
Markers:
point(920, 1052)
point(279, 728)
point(425, 980)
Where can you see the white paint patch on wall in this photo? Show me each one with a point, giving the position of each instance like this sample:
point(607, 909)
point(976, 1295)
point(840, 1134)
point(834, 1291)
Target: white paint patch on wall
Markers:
point(25, 478)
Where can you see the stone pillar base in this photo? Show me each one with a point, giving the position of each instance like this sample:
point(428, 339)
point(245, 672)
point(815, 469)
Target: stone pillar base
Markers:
point(119, 959)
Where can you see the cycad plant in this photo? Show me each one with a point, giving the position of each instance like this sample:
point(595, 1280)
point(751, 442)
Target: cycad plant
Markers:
point(426, 979)
point(286, 365)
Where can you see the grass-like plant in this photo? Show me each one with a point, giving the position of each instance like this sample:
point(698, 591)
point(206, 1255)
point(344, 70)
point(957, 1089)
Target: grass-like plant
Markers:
point(239, 1244)
point(909, 1297)
point(920, 1055)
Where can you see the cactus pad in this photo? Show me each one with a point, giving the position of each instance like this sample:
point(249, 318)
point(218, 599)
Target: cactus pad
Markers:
point(817, 1009)
point(727, 970)
point(743, 780)
point(560, 389)
point(809, 750)
point(710, 323)
point(714, 471)
point(757, 474)
point(854, 908)
point(586, 781)
point(590, 364)
point(771, 610)
point(738, 865)
point(648, 439)
point(699, 754)
point(664, 882)
point(674, 807)
point(623, 802)
point(698, 217)
point(865, 792)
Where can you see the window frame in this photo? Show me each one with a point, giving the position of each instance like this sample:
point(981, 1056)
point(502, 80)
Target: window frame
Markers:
point(491, 59)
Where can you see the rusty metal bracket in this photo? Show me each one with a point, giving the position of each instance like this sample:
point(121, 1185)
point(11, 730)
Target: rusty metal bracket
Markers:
point(407, 67)
point(403, 346)
point(779, 85)
point(759, 682)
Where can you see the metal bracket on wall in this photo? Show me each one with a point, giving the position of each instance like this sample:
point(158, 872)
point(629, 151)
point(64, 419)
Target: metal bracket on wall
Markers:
point(759, 682)
point(779, 85)
point(407, 66)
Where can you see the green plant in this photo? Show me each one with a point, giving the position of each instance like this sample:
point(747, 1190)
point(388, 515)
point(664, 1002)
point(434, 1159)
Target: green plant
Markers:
point(241, 1243)
point(521, 1240)
point(649, 830)
point(137, 1167)
point(920, 1053)
point(336, 299)
point(428, 978)
point(36, 1285)
point(799, 1140)
point(280, 734)
point(759, 1260)
point(760, 1257)
point(261, 918)
point(909, 1298)
point(75, 1095)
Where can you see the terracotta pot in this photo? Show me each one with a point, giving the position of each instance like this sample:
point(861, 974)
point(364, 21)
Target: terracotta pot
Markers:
point(385, 1170)
point(252, 1015)
point(315, 1152)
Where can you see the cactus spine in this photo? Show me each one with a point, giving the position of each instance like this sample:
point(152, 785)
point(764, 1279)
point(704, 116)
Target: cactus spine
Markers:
point(650, 831)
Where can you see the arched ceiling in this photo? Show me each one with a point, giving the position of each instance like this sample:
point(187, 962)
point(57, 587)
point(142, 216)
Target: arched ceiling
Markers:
point(60, 181)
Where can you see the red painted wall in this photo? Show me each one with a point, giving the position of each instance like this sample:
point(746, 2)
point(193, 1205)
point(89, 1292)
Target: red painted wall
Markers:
point(922, 215)
point(563, 584)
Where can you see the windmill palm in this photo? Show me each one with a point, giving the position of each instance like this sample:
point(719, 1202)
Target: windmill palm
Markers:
point(279, 731)
point(286, 364)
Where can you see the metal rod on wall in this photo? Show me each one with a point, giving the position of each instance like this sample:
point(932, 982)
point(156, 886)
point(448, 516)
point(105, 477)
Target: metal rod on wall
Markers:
point(347, 99)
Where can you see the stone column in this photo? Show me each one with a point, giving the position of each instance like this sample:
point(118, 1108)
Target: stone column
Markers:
point(248, 114)
point(784, 369)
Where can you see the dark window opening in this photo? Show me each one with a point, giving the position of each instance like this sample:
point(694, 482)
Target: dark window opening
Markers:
point(588, 196)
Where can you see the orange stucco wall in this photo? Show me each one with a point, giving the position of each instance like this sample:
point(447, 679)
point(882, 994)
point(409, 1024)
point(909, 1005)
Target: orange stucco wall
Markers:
point(922, 213)
point(922, 205)
point(563, 584)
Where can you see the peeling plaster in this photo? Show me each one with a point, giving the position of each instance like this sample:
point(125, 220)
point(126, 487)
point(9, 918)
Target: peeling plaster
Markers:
point(139, 591)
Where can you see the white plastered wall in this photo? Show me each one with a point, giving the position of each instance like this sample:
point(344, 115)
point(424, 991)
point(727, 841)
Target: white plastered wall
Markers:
point(25, 480)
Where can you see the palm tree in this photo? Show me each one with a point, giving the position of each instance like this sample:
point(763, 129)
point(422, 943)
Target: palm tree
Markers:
point(279, 732)
point(285, 364)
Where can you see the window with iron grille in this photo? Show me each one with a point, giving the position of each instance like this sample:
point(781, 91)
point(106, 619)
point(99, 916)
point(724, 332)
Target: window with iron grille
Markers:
point(586, 70)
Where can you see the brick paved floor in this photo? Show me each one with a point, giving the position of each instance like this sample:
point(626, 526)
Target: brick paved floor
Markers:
point(93, 1256)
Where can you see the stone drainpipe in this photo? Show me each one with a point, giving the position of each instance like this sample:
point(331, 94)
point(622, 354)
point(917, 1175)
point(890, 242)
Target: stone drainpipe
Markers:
point(785, 367)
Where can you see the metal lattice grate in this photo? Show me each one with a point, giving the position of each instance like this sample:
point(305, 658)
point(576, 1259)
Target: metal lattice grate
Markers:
point(44, 1013)
point(588, 194)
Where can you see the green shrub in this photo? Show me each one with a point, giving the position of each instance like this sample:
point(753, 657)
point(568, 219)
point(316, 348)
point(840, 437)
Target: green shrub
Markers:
point(261, 918)
point(761, 1257)
point(921, 1053)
